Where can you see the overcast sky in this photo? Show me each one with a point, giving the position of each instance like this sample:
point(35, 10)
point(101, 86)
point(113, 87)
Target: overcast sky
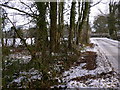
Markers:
point(103, 6)
point(95, 11)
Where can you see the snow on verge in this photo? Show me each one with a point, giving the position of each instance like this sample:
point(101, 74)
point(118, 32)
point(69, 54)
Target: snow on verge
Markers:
point(103, 66)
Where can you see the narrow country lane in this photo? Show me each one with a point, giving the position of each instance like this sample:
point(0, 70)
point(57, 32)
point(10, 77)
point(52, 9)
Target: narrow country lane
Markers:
point(110, 48)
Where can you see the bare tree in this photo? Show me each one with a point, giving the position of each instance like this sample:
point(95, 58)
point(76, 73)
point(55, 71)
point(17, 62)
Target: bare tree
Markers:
point(84, 17)
point(41, 28)
point(60, 21)
point(72, 24)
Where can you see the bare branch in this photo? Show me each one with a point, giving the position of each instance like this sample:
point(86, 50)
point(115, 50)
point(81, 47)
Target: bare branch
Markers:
point(27, 6)
point(34, 16)
point(67, 10)
point(23, 40)
point(101, 12)
point(95, 4)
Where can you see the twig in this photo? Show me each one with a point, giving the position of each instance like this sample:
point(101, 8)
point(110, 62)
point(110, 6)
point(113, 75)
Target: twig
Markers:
point(23, 40)
point(95, 4)
point(35, 16)
point(27, 6)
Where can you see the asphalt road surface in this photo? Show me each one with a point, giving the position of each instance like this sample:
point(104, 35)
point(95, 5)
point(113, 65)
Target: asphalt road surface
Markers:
point(111, 49)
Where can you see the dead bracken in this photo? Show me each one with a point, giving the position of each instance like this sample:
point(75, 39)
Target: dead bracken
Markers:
point(88, 57)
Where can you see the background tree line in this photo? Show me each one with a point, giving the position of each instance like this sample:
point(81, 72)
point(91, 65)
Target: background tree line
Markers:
point(109, 23)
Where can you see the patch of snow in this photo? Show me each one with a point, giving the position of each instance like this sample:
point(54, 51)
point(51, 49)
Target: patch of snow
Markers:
point(54, 54)
point(33, 71)
point(23, 58)
point(19, 79)
point(115, 41)
point(111, 82)
point(102, 66)
point(78, 71)
point(36, 77)
point(23, 73)
point(95, 83)
point(75, 84)
point(75, 72)
point(32, 74)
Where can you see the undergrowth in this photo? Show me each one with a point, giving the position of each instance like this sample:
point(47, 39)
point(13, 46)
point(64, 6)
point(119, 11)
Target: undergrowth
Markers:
point(50, 67)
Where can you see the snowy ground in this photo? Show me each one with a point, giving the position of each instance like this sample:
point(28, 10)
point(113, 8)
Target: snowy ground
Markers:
point(110, 49)
point(21, 57)
point(77, 77)
point(25, 77)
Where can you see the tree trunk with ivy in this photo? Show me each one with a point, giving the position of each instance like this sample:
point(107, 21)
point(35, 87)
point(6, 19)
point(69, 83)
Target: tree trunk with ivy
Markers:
point(41, 29)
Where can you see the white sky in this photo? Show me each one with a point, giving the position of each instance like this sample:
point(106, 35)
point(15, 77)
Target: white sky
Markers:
point(102, 6)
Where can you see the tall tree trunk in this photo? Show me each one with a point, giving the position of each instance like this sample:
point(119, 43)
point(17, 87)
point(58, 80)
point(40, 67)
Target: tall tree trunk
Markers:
point(87, 31)
point(118, 14)
point(1, 34)
point(88, 26)
point(6, 38)
point(72, 24)
point(85, 12)
point(14, 37)
point(80, 12)
point(53, 26)
point(31, 41)
point(60, 21)
point(2, 40)
point(41, 42)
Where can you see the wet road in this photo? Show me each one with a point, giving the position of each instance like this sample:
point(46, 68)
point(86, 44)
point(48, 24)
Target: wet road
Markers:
point(111, 49)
